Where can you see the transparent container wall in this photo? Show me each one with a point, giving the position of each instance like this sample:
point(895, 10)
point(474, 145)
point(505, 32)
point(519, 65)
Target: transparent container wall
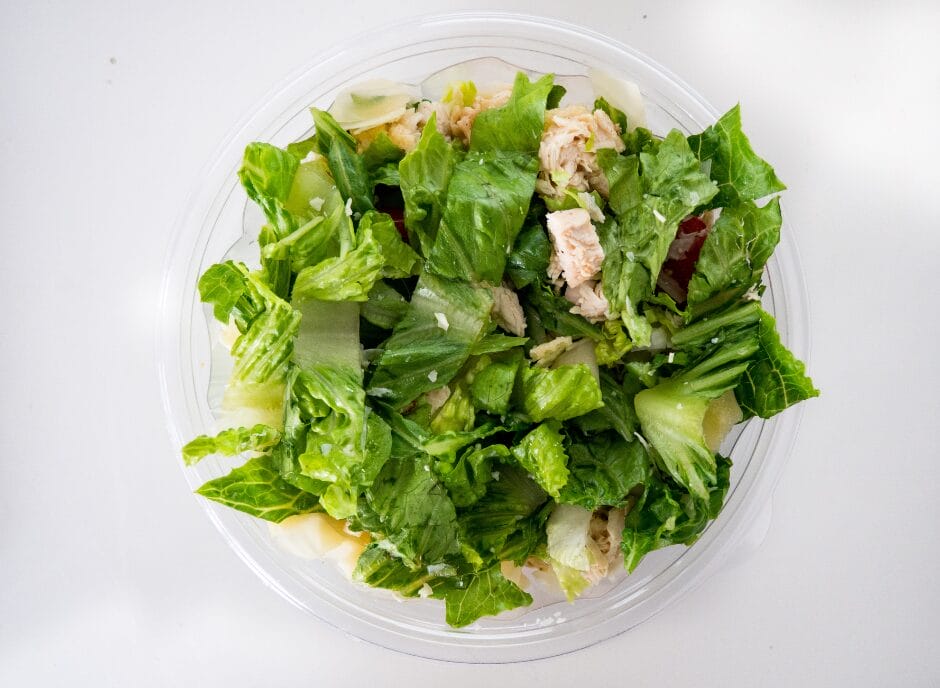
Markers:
point(219, 224)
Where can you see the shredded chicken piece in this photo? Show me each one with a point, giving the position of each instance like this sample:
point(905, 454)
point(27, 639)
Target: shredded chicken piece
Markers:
point(589, 301)
point(567, 152)
point(577, 249)
point(507, 311)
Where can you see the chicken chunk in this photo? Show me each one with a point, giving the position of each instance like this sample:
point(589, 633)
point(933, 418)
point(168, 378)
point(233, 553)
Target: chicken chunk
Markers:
point(567, 152)
point(507, 311)
point(589, 301)
point(576, 246)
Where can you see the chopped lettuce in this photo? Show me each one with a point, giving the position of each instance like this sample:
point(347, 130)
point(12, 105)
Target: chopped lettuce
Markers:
point(740, 173)
point(559, 393)
point(604, 470)
point(542, 454)
point(487, 201)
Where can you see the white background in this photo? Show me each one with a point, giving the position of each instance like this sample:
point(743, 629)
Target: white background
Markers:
point(110, 573)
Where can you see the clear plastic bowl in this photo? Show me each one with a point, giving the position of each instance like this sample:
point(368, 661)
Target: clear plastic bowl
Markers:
point(219, 223)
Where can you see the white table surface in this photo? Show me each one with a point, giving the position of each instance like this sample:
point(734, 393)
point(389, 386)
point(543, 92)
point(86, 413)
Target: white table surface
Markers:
point(110, 574)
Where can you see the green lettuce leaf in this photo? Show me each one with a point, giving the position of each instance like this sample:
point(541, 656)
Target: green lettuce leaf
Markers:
point(400, 259)
point(507, 522)
point(476, 595)
point(605, 469)
point(258, 489)
point(230, 442)
point(740, 173)
point(326, 387)
point(348, 277)
point(542, 454)
point(385, 307)
point(487, 202)
point(517, 125)
point(425, 176)
point(346, 165)
point(467, 479)
point(559, 393)
point(428, 347)
point(736, 249)
point(491, 389)
point(650, 194)
point(415, 511)
point(672, 412)
point(775, 379)
point(617, 413)
point(528, 262)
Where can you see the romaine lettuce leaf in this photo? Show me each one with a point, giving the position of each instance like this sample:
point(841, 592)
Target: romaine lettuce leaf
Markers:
point(736, 249)
point(650, 193)
point(400, 259)
point(528, 262)
point(617, 413)
point(425, 176)
point(775, 379)
point(347, 277)
point(346, 165)
point(230, 442)
point(484, 593)
point(542, 454)
point(671, 413)
point(432, 342)
point(740, 173)
point(560, 393)
point(604, 470)
point(517, 125)
point(505, 522)
point(258, 489)
point(491, 389)
point(385, 307)
point(467, 479)
point(487, 201)
point(415, 511)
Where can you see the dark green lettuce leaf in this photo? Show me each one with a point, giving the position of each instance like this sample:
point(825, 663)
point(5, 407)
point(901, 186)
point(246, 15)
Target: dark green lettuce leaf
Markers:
point(736, 249)
point(650, 194)
point(415, 511)
point(467, 479)
point(740, 173)
point(605, 468)
point(445, 319)
point(491, 389)
point(484, 593)
point(528, 262)
point(385, 307)
point(775, 379)
point(617, 413)
point(400, 259)
point(347, 166)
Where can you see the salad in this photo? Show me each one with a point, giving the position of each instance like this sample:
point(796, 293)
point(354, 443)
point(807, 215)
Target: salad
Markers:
point(495, 339)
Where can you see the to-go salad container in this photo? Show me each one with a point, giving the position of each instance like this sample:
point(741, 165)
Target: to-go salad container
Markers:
point(220, 223)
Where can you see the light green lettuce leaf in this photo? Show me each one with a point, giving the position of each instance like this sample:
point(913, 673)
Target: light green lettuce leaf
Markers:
point(542, 453)
point(559, 393)
point(258, 489)
point(230, 442)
